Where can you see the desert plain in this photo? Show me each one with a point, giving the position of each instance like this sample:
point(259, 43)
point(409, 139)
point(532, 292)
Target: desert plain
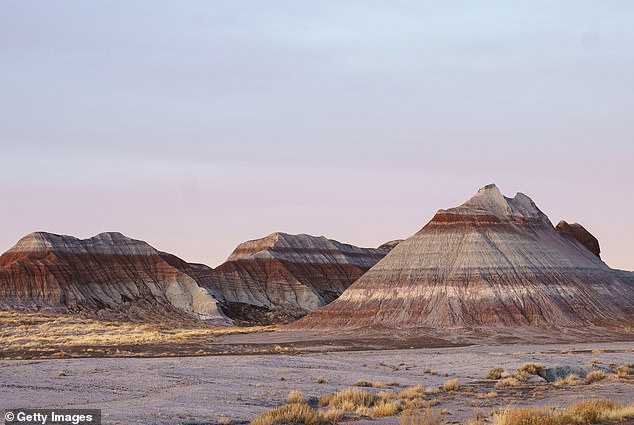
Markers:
point(236, 376)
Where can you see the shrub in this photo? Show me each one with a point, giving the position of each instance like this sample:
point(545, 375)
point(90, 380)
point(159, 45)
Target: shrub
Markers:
point(296, 396)
point(362, 383)
point(351, 398)
point(594, 376)
point(411, 392)
point(295, 413)
point(570, 380)
point(451, 385)
point(490, 394)
point(383, 408)
point(532, 369)
point(581, 413)
point(529, 416)
point(590, 411)
point(224, 420)
point(429, 417)
point(332, 415)
point(623, 371)
point(495, 373)
point(325, 400)
point(364, 411)
point(509, 382)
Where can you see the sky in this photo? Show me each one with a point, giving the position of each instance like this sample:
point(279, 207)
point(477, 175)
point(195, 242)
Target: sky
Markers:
point(198, 125)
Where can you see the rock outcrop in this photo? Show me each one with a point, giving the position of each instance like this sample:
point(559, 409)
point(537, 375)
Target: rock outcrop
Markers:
point(108, 275)
point(282, 277)
point(580, 234)
point(493, 261)
point(274, 279)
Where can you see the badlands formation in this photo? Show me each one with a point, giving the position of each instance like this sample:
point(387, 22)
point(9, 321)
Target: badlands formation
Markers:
point(492, 261)
point(283, 277)
point(109, 274)
point(277, 278)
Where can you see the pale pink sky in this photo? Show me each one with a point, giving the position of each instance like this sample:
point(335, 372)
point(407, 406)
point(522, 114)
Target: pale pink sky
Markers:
point(197, 126)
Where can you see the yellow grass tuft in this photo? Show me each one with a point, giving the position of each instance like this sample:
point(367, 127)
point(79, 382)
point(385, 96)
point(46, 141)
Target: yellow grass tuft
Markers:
point(332, 415)
point(296, 396)
point(623, 371)
point(224, 420)
point(352, 398)
point(364, 411)
point(451, 385)
point(509, 382)
point(569, 381)
point(295, 413)
point(581, 413)
point(325, 400)
point(411, 392)
point(594, 376)
point(383, 408)
point(362, 383)
point(413, 417)
point(532, 369)
point(495, 373)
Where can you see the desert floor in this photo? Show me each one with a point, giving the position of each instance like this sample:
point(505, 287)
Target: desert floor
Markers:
point(203, 389)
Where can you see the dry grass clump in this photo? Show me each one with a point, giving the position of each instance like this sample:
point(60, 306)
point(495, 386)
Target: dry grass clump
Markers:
point(324, 400)
point(432, 390)
point(363, 412)
point(581, 413)
point(332, 415)
point(413, 417)
point(411, 392)
point(33, 331)
point(594, 376)
point(532, 369)
point(295, 413)
point(351, 399)
point(451, 385)
point(487, 395)
point(296, 396)
point(623, 371)
point(509, 382)
point(530, 416)
point(224, 420)
point(495, 373)
point(569, 381)
point(377, 384)
point(383, 408)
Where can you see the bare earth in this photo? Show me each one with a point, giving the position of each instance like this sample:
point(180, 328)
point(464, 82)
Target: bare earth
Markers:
point(202, 389)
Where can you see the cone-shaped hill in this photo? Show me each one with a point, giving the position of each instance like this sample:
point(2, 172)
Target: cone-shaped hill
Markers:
point(492, 261)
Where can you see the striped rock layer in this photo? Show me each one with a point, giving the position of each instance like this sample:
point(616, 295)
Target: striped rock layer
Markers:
point(282, 276)
point(277, 278)
point(110, 275)
point(493, 261)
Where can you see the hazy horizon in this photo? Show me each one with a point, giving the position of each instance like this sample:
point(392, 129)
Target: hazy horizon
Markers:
point(198, 126)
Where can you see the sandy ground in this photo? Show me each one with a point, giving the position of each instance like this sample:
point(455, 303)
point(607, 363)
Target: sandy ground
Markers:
point(198, 390)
